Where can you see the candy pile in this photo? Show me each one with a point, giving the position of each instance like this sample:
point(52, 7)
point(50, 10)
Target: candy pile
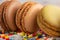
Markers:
point(23, 36)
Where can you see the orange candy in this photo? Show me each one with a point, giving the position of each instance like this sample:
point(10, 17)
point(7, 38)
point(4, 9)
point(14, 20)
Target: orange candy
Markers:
point(3, 36)
point(38, 39)
point(7, 39)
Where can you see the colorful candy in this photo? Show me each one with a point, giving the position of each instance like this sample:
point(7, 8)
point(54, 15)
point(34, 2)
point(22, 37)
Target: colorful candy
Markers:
point(40, 36)
point(22, 34)
point(30, 36)
point(24, 39)
point(6, 37)
point(11, 38)
point(37, 38)
point(3, 36)
point(34, 34)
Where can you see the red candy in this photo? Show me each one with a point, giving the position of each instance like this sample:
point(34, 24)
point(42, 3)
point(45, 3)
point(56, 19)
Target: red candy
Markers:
point(7, 38)
point(3, 37)
point(10, 34)
point(34, 34)
point(0, 36)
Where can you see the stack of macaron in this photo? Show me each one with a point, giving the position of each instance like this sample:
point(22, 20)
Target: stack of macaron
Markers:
point(15, 16)
point(30, 17)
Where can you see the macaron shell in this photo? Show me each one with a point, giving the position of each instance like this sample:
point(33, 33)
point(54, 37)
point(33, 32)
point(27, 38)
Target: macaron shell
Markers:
point(24, 14)
point(19, 16)
point(46, 29)
point(1, 20)
point(4, 16)
point(1, 15)
point(30, 21)
point(22, 20)
point(10, 13)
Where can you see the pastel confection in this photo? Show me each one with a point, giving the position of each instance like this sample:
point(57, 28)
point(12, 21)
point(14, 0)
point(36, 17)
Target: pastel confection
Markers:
point(26, 17)
point(8, 11)
point(1, 16)
point(49, 20)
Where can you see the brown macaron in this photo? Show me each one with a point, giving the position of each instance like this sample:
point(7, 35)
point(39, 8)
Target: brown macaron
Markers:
point(1, 16)
point(26, 17)
point(9, 14)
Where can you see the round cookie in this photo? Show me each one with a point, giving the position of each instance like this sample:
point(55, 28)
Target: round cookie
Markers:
point(9, 14)
point(47, 20)
point(26, 17)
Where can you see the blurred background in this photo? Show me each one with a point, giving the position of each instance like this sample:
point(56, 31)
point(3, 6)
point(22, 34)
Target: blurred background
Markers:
point(44, 2)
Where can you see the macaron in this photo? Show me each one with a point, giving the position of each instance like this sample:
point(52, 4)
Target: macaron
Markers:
point(9, 14)
point(26, 17)
point(2, 25)
point(48, 20)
